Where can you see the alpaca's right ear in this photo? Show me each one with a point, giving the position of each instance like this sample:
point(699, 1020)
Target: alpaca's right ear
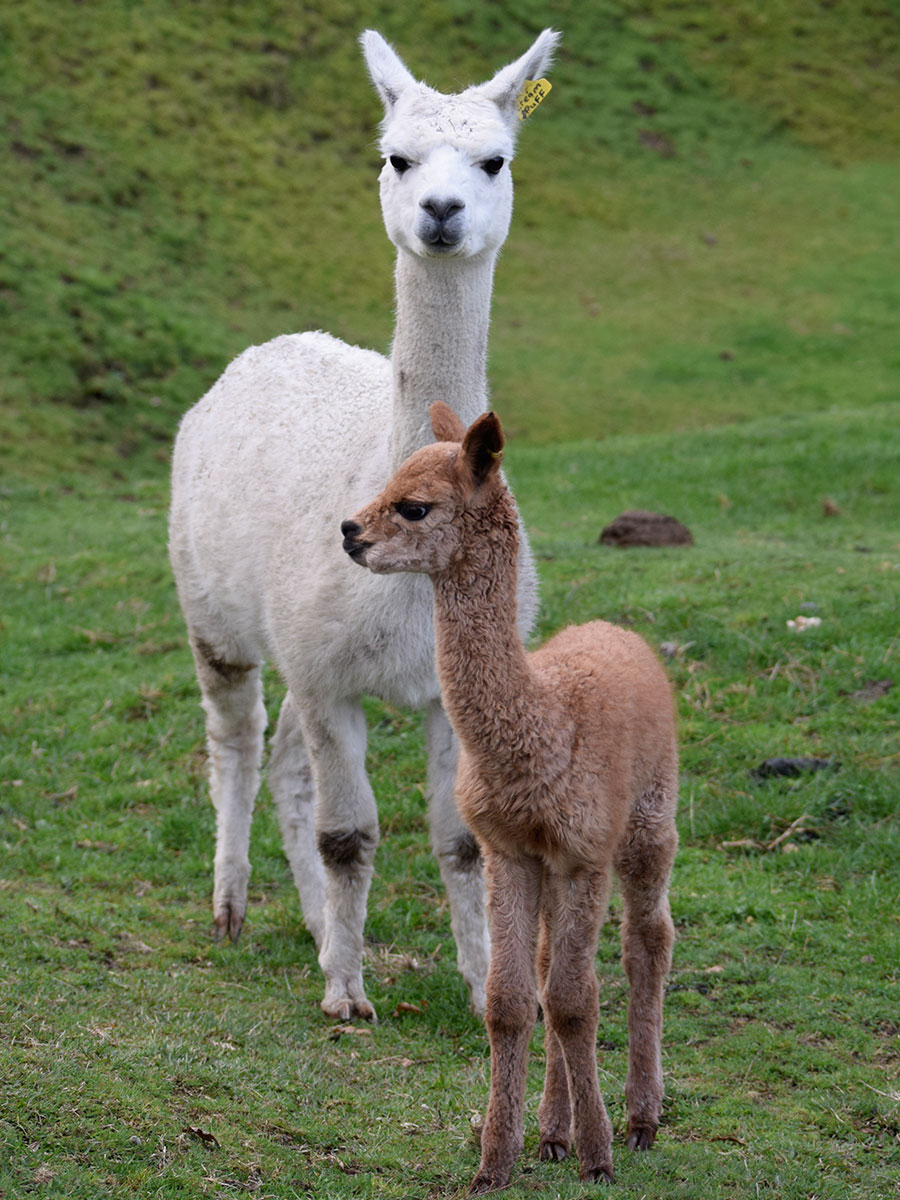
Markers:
point(483, 447)
point(386, 68)
point(446, 424)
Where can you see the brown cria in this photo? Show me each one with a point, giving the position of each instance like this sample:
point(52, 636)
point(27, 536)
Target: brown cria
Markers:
point(568, 771)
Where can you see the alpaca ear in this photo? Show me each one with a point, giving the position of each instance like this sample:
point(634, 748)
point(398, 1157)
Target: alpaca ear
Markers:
point(389, 75)
point(506, 85)
point(483, 447)
point(446, 424)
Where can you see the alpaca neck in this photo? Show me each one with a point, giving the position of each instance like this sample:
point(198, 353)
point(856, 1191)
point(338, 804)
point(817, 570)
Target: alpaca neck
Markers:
point(491, 693)
point(440, 343)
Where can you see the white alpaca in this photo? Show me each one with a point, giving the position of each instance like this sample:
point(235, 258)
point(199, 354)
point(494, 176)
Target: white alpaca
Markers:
point(295, 433)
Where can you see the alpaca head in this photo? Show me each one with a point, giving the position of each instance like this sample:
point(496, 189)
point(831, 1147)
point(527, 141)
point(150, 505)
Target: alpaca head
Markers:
point(418, 522)
point(446, 188)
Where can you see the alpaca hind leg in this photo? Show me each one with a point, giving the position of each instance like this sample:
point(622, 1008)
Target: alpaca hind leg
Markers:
point(555, 1112)
point(514, 895)
point(459, 859)
point(291, 785)
point(346, 837)
point(235, 722)
point(578, 904)
point(647, 939)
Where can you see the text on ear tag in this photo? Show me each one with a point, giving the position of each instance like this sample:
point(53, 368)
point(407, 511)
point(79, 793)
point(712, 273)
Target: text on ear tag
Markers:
point(531, 95)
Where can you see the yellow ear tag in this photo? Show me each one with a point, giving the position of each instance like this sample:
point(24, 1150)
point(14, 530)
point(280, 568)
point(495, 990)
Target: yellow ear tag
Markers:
point(531, 95)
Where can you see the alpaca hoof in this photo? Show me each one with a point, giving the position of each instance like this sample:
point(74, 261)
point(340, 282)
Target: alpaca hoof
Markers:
point(553, 1148)
point(229, 922)
point(640, 1137)
point(598, 1175)
point(487, 1181)
point(345, 1009)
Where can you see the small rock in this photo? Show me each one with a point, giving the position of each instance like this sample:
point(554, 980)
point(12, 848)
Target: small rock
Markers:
point(871, 690)
point(636, 527)
point(792, 766)
point(659, 142)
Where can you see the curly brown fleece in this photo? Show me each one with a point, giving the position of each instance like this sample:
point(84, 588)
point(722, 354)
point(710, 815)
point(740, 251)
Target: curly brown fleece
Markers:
point(568, 771)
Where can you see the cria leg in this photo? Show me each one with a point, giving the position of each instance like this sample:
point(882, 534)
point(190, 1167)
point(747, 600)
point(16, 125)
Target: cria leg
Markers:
point(459, 858)
point(513, 897)
point(573, 907)
point(647, 938)
point(291, 785)
point(346, 837)
point(235, 722)
point(555, 1112)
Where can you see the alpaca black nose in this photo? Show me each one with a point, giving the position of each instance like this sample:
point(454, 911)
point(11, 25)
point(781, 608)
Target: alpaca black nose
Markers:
point(352, 545)
point(442, 209)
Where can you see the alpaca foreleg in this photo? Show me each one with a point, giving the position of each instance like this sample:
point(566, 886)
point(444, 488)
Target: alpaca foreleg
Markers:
point(571, 1010)
point(235, 722)
point(346, 838)
point(291, 785)
point(459, 858)
point(555, 1112)
point(647, 939)
point(514, 892)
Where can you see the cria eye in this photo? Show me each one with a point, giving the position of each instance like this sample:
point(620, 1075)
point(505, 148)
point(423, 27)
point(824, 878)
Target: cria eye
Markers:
point(492, 165)
point(409, 510)
point(399, 164)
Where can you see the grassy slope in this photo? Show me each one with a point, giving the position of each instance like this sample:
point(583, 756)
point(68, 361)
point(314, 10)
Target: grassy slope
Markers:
point(165, 172)
point(698, 184)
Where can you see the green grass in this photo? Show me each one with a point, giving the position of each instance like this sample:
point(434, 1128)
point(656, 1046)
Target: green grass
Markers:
point(128, 1031)
point(695, 313)
point(182, 181)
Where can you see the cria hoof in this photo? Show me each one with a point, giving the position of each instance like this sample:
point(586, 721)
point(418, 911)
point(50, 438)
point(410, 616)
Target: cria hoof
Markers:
point(641, 1137)
point(485, 1182)
point(598, 1175)
point(552, 1149)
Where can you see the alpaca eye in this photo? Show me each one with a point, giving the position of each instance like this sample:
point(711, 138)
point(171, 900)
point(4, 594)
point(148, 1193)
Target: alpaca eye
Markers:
point(399, 164)
point(410, 511)
point(492, 166)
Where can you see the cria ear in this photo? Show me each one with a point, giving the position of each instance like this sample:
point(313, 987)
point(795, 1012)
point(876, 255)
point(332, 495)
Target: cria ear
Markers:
point(389, 75)
point(446, 424)
point(482, 447)
point(506, 85)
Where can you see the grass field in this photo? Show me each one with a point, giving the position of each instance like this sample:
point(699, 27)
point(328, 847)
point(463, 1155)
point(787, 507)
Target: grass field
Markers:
point(695, 313)
point(133, 1042)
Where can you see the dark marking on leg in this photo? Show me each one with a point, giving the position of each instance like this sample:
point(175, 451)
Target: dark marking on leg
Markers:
point(230, 672)
point(465, 854)
point(342, 850)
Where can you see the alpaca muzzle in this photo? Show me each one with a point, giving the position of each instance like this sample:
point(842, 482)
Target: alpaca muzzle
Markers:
point(352, 543)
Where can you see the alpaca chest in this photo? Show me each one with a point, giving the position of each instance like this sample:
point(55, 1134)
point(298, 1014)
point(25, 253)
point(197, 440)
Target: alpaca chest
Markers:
point(375, 637)
point(515, 816)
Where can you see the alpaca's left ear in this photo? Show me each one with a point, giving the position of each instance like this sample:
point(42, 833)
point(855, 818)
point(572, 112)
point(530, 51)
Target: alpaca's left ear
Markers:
point(483, 447)
point(506, 85)
point(446, 424)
